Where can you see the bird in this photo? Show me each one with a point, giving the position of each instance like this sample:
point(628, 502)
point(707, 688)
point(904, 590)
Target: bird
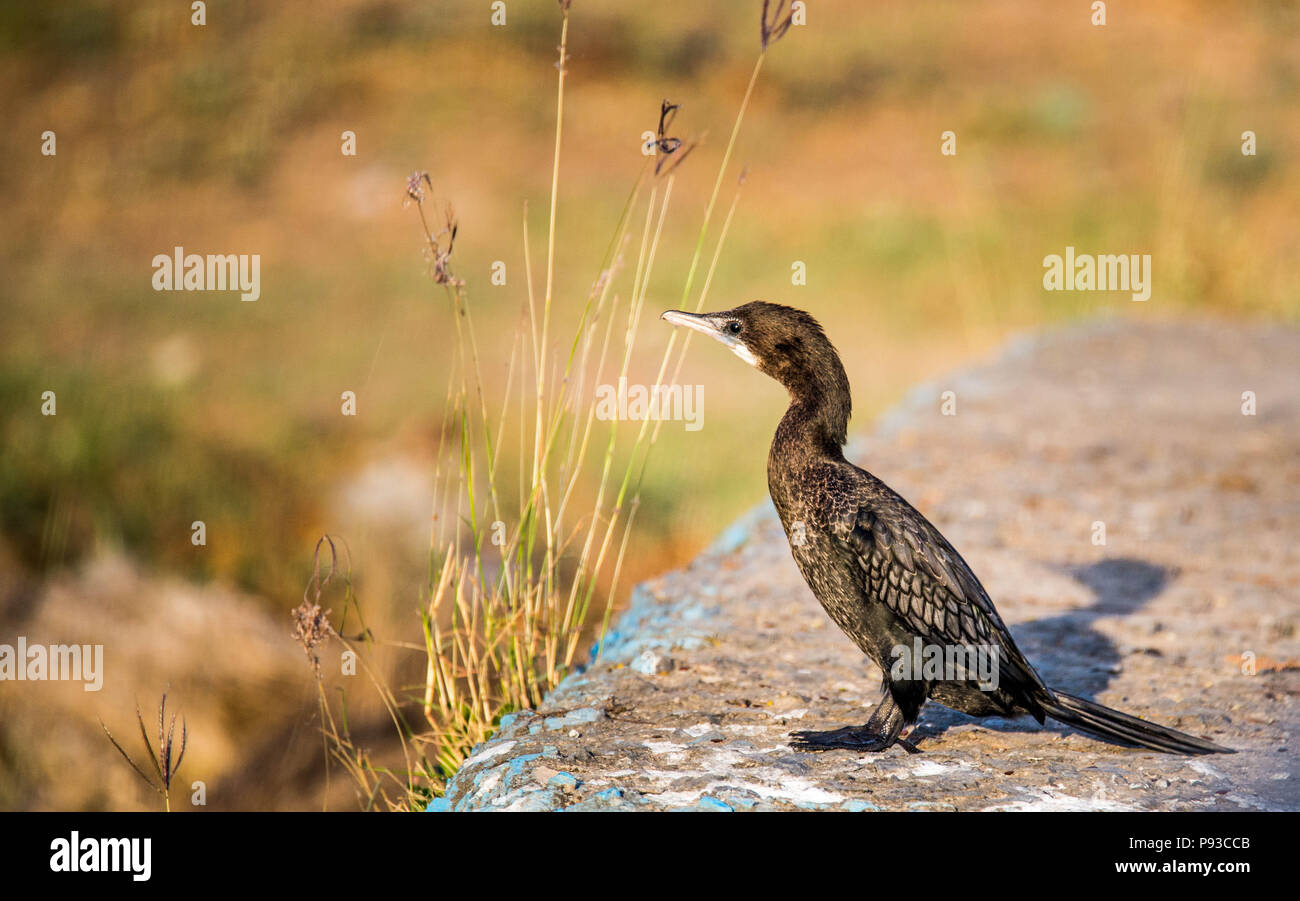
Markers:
point(882, 571)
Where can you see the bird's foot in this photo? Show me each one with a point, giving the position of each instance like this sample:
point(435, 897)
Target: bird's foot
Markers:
point(850, 738)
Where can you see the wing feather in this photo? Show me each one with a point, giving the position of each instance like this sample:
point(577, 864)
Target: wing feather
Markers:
point(911, 567)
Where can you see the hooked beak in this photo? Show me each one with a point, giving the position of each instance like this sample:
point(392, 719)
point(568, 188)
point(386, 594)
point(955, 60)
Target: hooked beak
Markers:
point(711, 326)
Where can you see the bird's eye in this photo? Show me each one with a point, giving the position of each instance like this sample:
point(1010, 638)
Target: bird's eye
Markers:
point(733, 327)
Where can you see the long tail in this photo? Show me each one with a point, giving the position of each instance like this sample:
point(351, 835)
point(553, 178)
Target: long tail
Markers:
point(1104, 722)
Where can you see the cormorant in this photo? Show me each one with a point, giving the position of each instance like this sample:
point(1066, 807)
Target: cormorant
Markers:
point(881, 570)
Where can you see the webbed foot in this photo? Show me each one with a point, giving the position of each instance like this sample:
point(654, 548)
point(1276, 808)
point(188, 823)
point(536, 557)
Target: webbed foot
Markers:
point(850, 738)
point(881, 733)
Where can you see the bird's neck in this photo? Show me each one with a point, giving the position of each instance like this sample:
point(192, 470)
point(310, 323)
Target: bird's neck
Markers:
point(815, 425)
point(811, 430)
point(820, 401)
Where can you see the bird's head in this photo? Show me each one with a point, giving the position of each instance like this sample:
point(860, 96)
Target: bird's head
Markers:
point(786, 344)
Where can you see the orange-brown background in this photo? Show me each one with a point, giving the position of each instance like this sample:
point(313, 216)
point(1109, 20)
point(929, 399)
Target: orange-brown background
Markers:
point(225, 139)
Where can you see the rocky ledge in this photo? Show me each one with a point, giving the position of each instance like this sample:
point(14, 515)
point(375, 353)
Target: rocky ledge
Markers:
point(1139, 435)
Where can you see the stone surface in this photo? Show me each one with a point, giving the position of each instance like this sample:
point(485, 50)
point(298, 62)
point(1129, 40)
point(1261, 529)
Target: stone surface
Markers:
point(1137, 426)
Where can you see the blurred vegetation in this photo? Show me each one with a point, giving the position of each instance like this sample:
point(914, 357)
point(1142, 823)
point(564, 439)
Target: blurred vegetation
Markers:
point(175, 407)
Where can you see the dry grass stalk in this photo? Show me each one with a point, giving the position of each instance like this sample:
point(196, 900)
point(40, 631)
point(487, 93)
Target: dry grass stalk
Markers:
point(508, 600)
point(164, 767)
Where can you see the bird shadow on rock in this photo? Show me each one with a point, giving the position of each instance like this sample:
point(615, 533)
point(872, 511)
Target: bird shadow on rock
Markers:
point(1066, 650)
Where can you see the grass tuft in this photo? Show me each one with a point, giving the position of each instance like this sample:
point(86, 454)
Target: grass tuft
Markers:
point(535, 494)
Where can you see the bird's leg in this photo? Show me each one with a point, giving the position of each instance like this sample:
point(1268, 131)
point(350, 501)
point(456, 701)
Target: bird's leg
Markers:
point(880, 733)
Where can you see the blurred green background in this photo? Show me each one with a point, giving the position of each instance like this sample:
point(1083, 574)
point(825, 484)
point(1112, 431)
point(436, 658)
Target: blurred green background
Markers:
point(175, 407)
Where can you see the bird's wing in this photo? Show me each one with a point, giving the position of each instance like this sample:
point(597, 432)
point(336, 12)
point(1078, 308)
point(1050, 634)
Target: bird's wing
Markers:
point(909, 566)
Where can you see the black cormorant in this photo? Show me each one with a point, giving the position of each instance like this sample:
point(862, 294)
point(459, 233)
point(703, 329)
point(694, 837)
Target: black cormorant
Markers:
point(882, 572)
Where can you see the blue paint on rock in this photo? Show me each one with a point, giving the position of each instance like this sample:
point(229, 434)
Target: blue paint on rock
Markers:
point(733, 539)
point(856, 806)
point(710, 803)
